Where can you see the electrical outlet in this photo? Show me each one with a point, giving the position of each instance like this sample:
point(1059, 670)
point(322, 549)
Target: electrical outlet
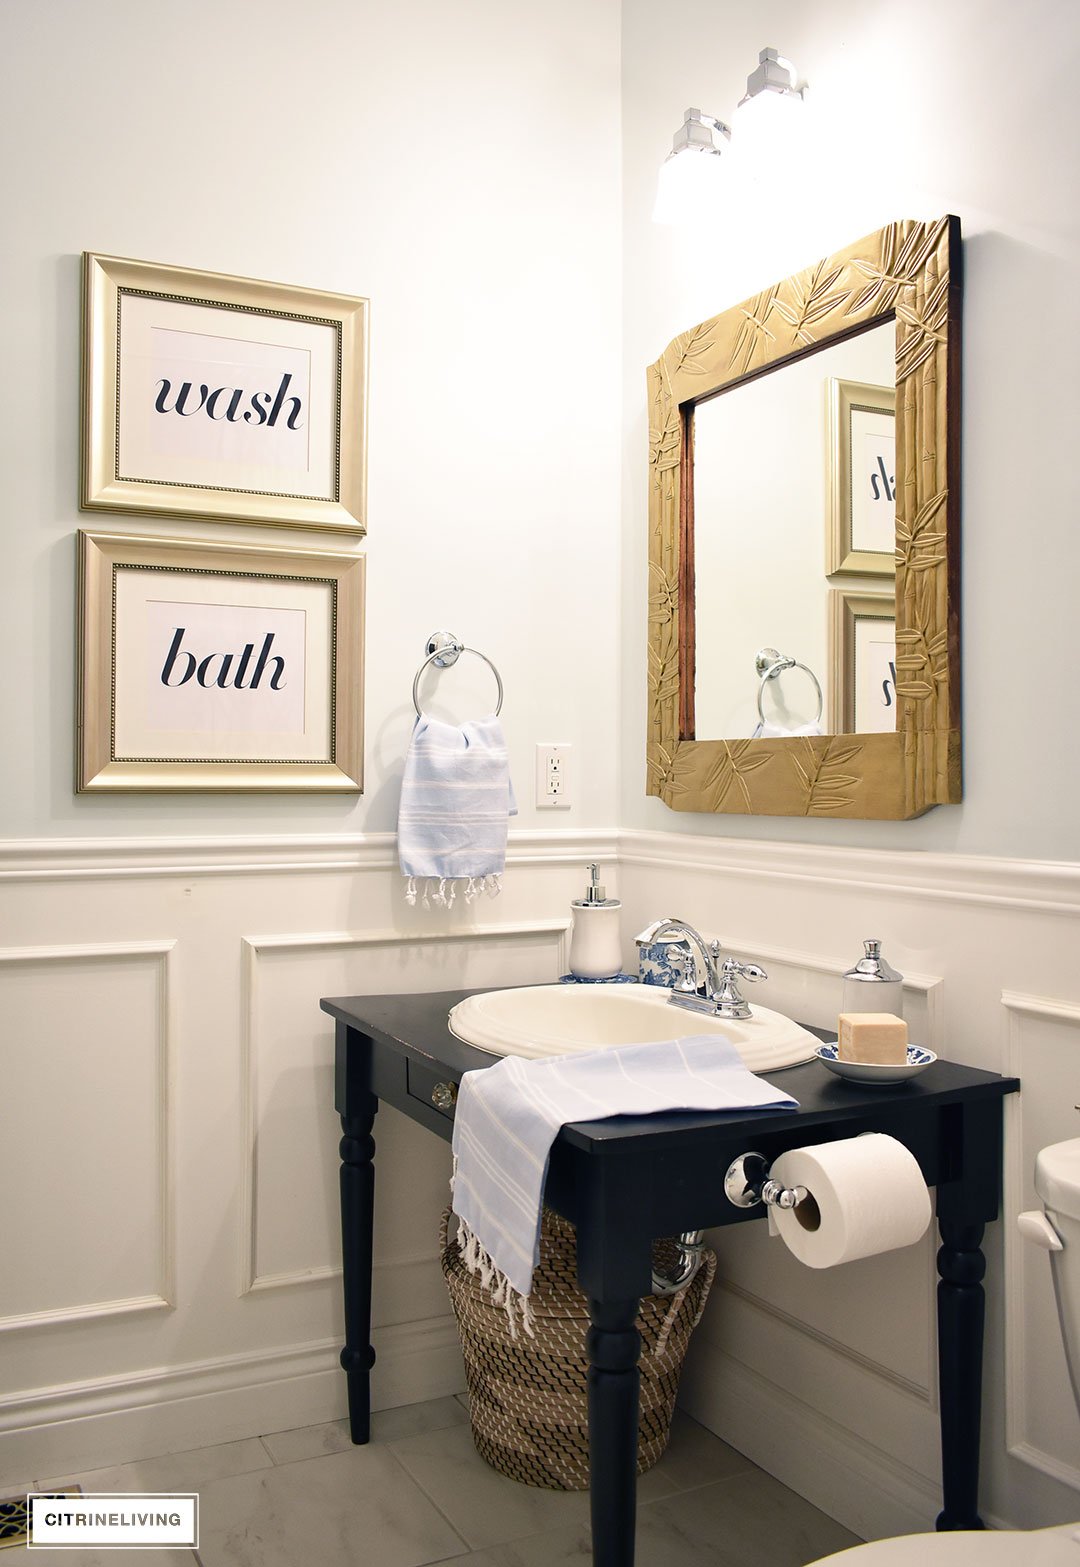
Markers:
point(553, 777)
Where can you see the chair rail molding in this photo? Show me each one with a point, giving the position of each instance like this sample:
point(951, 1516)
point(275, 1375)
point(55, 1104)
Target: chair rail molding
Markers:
point(1043, 886)
point(64, 859)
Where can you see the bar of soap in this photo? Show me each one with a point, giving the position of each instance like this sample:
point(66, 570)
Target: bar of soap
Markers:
point(875, 1038)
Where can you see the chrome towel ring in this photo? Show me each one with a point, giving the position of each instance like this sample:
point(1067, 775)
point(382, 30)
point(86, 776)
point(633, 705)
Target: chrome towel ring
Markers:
point(443, 648)
point(770, 665)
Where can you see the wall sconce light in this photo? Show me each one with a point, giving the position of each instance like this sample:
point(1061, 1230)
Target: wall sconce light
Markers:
point(769, 112)
point(690, 175)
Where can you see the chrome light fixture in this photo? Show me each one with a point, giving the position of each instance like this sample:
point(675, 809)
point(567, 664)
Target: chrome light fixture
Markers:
point(692, 171)
point(768, 111)
point(691, 175)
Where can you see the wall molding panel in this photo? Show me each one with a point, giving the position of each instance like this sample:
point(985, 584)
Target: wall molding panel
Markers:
point(923, 1390)
point(255, 952)
point(160, 957)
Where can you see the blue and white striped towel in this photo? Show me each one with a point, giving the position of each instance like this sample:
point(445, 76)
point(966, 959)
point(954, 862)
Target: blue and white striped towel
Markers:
point(456, 798)
point(508, 1116)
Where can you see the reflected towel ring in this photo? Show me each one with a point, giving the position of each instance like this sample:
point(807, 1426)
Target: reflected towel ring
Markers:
point(443, 648)
point(770, 665)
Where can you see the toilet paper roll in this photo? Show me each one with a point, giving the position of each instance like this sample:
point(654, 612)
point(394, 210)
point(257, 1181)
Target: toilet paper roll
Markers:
point(865, 1195)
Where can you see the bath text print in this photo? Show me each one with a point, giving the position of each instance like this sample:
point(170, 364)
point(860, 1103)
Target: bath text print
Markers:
point(888, 483)
point(210, 402)
point(200, 668)
point(888, 686)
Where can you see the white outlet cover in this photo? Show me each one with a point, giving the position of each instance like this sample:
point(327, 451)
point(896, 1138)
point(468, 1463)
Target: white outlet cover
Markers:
point(553, 781)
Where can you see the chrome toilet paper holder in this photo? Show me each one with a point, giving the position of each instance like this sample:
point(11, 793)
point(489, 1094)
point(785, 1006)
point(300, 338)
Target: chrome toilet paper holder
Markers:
point(748, 1183)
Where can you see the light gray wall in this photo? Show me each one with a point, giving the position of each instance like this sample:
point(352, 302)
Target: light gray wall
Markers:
point(918, 109)
point(424, 156)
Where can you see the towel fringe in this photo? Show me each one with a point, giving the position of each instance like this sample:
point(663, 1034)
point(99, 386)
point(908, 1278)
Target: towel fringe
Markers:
point(492, 1280)
point(440, 891)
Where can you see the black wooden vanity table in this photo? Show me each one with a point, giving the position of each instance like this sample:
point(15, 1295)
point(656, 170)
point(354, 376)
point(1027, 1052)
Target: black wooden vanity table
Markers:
point(626, 1181)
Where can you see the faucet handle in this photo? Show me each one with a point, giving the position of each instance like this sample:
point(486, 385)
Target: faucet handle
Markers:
point(732, 969)
point(729, 1002)
point(685, 965)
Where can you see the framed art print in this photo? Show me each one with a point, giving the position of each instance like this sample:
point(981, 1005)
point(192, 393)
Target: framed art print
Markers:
point(221, 397)
point(218, 667)
point(861, 521)
point(862, 694)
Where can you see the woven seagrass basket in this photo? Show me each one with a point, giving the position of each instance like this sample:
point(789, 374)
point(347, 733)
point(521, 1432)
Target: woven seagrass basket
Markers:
point(528, 1397)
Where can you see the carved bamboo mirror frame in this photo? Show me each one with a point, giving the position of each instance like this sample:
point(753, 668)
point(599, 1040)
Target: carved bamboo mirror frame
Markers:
point(911, 272)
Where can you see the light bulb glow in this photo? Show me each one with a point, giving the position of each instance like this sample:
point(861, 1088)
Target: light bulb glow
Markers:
point(767, 130)
point(689, 185)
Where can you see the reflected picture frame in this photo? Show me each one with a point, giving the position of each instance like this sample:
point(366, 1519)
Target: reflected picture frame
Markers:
point(212, 396)
point(860, 518)
point(862, 663)
point(217, 667)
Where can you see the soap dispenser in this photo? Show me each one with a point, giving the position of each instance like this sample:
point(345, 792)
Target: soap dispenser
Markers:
point(872, 985)
point(595, 949)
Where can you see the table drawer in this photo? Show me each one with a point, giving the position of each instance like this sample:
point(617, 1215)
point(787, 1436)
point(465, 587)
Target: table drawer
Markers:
point(433, 1089)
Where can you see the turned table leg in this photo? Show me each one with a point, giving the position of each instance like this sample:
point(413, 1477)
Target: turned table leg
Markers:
point(356, 1105)
point(961, 1309)
point(613, 1345)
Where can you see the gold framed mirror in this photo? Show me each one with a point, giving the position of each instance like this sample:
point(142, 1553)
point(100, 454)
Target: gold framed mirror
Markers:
point(907, 273)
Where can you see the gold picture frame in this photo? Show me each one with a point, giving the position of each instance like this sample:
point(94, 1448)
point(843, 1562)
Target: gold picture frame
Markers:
point(854, 682)
point(218, 667)
point(221, 397)
point(862, 480)
point(907, 273)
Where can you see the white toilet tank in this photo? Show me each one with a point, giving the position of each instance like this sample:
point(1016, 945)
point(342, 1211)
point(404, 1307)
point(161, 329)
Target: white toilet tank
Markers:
point(1057, 1181)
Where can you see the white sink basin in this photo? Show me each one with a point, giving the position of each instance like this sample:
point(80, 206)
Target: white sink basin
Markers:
point(558, 1020)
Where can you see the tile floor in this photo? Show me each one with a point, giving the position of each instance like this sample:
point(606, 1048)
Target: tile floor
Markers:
point(419, 1493)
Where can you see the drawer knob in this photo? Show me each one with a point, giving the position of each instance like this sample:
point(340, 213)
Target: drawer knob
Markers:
point(444, 1096)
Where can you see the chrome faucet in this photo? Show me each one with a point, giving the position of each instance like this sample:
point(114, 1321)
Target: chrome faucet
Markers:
point(688, 990)
point(718, 991)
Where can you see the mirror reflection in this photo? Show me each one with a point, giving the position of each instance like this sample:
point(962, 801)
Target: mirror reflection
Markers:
point(793, 517)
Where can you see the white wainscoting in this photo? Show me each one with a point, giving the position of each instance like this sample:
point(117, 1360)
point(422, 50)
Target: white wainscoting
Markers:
point(828, 1380)
point(172, 1243)
point(171, 987)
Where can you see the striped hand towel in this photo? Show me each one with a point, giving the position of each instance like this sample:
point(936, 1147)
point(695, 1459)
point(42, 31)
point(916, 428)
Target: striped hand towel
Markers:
point(508, 1116)
point(456, 798)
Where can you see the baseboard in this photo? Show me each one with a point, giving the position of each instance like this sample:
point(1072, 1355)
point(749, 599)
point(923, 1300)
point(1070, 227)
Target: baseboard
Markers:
point(52, 1432)
point(859, 1485)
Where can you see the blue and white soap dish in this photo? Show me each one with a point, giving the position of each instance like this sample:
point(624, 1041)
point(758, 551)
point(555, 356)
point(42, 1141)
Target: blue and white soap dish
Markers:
point(607, 979)
point(880, 1076)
